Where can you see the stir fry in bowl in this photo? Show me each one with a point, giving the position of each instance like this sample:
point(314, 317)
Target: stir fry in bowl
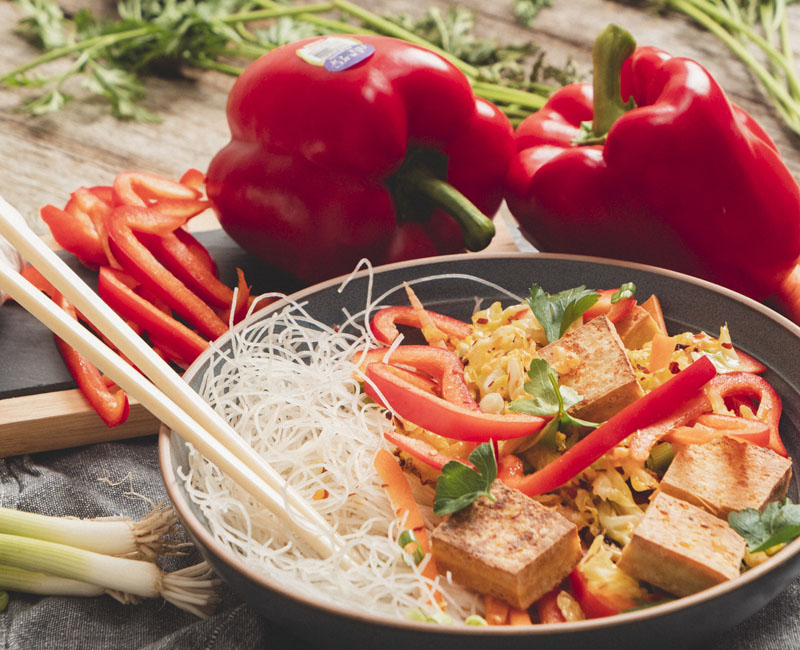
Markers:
point(552, 459)
point(653, 455)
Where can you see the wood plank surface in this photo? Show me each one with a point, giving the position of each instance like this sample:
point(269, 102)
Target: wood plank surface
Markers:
point(45, 158)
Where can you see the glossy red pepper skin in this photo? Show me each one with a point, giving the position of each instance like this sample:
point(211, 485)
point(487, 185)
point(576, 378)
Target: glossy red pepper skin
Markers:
point(302, 184)
point(686, 180)
point(658, 403)
point(596, 603)
point(442, 417)
point(384, 323)
point(422, 451)
point(113, 287)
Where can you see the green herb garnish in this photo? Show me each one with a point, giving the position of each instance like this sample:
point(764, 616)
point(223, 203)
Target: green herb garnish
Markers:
point(459, 485)
point(548, 398)
point(778, 524)
point(556, 312)
point(627, 290)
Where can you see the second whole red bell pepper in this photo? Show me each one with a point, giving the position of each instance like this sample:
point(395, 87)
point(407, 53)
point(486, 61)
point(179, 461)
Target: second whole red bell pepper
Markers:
point(652, 163)
point(351, 147)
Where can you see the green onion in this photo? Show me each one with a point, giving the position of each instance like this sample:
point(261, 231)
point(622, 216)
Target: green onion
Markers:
point(625, 291)
point(474, 619)
point(189, 589)
point(408, 537)
point(110, 536)
point(35, 582)
point(660, 457)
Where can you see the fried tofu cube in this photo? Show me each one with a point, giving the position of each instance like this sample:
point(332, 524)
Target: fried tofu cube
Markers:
point(726, 475)
point(681, 548)
point(602, 373)
point(513, 548)
point(637, 328)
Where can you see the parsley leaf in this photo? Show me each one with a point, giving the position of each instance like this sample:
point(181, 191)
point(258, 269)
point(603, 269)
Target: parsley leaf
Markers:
point(459, 485)
point(779, 523)
point(556, 312)
point(548, 398)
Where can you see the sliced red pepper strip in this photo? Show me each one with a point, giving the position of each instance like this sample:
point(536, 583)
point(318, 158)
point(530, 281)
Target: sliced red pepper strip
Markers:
point(182, 262)
point(689, 410)
point(444, 366)
point(140, 188)
point(140, 263)
point(75, 233)
point(384, 322)
point(548, 609)
point(749, 364)
point(441, 416)
point(746, 384)
point(593, 602)
point(655, 405)
point(112, 407)
point(104, 193)
point(97, 210)
point(198, 250)
point(185, 208)
point(422, 451)
point(193, 178)
point(183, 344)
point(615, 311)
point(714, 425)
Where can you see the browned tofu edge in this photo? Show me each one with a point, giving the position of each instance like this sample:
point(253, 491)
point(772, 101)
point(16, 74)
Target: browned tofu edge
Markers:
point(680, 568)
point(487, 571)
point(727, 475)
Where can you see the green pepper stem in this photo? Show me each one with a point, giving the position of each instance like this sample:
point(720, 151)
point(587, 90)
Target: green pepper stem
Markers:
point(476, 227)
point(611, 48)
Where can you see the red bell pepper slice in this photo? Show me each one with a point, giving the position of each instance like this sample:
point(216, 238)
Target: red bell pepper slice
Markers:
point(441, 416)
point(384, 322)
point(749, 364)
point(443, 365)
point(141, 188)
point(422, 451)
point(749, 385)
point(685, 412)
point(193, 178)
point(190, 269)
point(715, 425)
point(140, 263)
point(655, 405)
point(614, 311)
point(97, 210)
point(198, 250)
point(112, 407)
point(75, 232)
point(596, 603)
point(548, 609)
point(114, 288)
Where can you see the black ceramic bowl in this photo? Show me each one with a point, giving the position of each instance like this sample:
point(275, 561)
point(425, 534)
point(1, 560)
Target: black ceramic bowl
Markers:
point(689, 304)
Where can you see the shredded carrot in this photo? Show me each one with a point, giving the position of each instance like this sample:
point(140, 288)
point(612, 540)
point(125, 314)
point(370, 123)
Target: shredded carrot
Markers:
point(406, 510)
point(653, 307)
point(433, 335)
point(496, 610)
point(661, 351)
point(518, 616)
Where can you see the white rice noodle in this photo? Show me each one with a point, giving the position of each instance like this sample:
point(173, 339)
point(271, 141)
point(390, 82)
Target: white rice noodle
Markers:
point(288, 386)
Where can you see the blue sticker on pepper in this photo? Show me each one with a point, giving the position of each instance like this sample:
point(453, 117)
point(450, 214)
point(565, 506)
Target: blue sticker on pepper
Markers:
point(349, 57)
point(335, 53)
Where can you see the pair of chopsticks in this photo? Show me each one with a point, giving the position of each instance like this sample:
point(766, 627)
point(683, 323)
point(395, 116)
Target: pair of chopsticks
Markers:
point(165, 395)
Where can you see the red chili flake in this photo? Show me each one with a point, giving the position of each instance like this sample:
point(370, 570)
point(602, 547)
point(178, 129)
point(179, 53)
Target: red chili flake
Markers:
point(674, 368)
point(320, 494)
point(482, 321)
point(728, 346)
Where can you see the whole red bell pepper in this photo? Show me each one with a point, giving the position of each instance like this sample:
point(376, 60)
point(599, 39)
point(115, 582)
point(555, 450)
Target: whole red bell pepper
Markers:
point(652, 163)
point(340, 150)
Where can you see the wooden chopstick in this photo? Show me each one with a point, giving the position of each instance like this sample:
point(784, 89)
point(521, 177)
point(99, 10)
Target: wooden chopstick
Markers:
point(168, 397)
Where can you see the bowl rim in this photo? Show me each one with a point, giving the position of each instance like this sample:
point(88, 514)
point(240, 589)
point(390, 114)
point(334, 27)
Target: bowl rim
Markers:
point(665, 609)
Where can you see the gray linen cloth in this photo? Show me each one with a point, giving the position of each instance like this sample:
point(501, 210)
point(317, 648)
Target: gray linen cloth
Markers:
point(97, 480)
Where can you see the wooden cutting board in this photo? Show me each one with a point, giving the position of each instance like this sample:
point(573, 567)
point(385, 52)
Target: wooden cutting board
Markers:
point(40, 407)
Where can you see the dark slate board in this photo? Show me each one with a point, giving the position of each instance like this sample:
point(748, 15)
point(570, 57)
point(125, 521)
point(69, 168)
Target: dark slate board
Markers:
point(29, 360)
